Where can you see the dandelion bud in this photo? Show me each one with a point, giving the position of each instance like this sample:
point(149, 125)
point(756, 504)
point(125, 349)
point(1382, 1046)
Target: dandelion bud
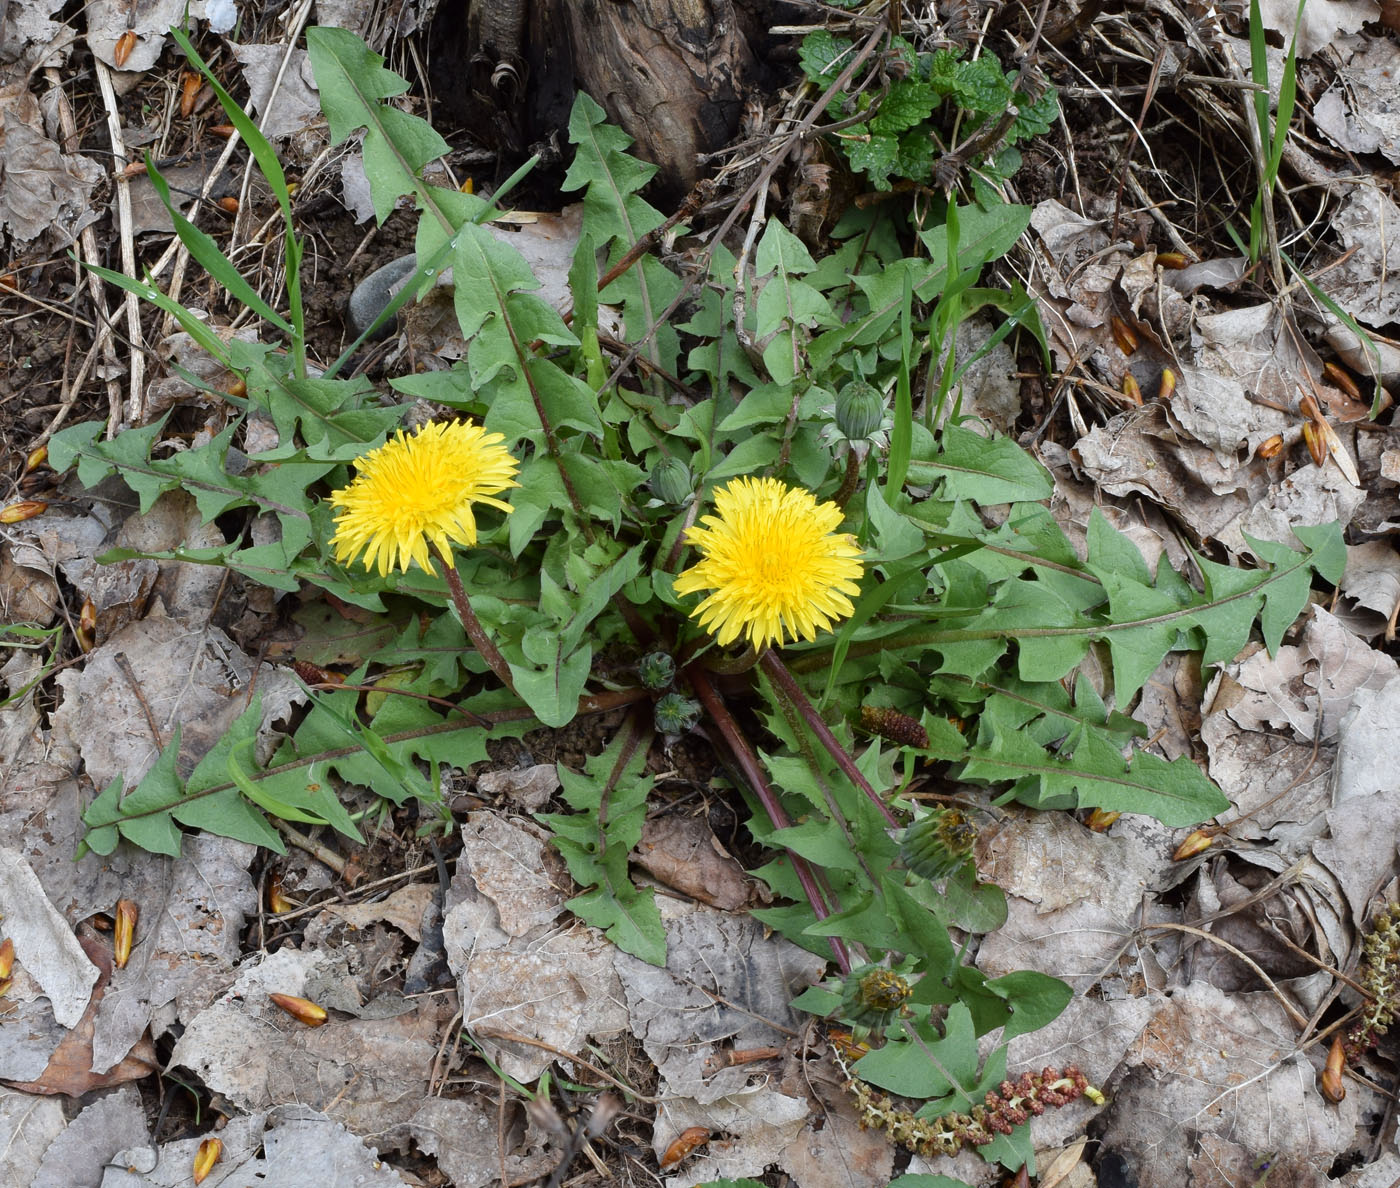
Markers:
point(860, 410)
point(657, 670)
point(936, 845)
point(873, 995)
point(675, 714)
point(670, 482)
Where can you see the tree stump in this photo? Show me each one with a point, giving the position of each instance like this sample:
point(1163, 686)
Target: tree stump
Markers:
point(674, 74)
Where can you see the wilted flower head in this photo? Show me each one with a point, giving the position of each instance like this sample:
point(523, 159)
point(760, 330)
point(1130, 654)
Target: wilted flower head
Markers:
point(776, 565)
point(419, 490)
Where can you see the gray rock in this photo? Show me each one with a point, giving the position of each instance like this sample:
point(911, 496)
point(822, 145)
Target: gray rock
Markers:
point(373, 294)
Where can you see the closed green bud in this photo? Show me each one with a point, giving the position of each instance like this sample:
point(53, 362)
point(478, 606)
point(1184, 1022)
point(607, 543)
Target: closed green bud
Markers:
point(860, 410)
point(675, 714)
point(657, 670)
point(670, 481)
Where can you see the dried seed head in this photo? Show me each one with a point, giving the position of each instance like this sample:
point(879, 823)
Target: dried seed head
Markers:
point(25, 509)
point(87, 625)
point(301, 1009)
point(1271, 447)
point(1123, 334)
point(682, 1147)
point(1101, 820)
point(1339, 376)
point(124, 931)
point(1329, 1081)
point(122, 51)
point(1197, 841)
point(1317, 441)
point(205, 1157)
point(189, 88)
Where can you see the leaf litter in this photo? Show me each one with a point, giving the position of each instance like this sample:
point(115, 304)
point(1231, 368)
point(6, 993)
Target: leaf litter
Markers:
point(1198, 1049)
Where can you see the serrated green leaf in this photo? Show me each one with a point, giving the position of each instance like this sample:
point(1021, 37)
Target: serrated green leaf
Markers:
point(1096, 775)
point(823, 56)
point(909, 102)
point(871, 153)
point(352, 81)
point(609, 803)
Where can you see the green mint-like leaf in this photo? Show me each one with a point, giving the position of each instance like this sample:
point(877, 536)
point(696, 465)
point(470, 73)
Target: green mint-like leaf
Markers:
point(823, 56)
point(909, 102)
point(871, 153)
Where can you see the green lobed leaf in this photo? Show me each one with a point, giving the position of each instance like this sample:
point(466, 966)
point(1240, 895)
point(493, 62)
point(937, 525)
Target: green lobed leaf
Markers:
point(609, 803)
point(352, 81)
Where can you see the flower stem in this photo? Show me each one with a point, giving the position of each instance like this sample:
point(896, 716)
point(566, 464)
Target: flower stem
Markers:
point(475, 632)
point(753, 772)
point(783, 680)
point(848, 481)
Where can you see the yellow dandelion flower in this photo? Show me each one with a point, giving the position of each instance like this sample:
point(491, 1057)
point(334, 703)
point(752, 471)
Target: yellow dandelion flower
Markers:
point(774, 562)
point(419, 490)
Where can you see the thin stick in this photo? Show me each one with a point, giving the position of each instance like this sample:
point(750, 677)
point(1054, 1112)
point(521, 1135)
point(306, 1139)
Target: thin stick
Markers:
point(136, 404)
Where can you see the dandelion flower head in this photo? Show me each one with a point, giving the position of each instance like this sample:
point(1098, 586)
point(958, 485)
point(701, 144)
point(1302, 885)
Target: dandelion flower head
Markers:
point(415, 491)
point(775, 564)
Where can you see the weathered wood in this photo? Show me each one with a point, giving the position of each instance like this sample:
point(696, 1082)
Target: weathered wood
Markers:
point(673, 73)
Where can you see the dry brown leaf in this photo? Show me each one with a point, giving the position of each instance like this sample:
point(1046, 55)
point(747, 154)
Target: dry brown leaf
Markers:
point(684, 853)
point(403, 909)
point(69, 1069)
